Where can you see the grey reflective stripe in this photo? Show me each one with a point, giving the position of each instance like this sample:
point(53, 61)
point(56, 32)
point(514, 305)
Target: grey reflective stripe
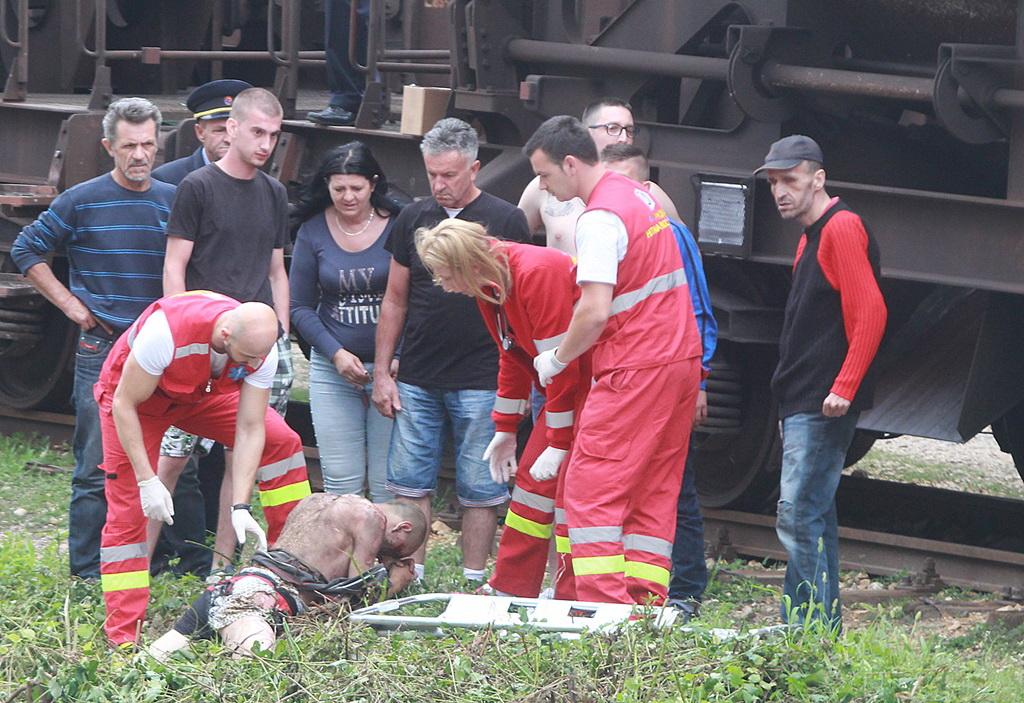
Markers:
point(658, 284)
point(510, 406)
point(652, 545)
point(190, 349)
point(544, 345)
point(560, 516)
point(586, 535)
point(557, 420)
point(124, 552)
point(280, 468)
point(532, 500)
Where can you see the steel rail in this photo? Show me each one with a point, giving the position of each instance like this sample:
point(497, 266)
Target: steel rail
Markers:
point(880, 553)
point(747, 534)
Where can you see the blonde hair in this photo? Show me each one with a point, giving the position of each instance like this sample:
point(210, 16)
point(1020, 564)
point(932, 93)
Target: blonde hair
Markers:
point(465, 248)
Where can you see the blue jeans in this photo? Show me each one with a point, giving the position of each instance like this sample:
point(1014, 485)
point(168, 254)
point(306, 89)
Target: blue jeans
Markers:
point(689, 570)
point(353, 438)
point(345, 82)
point(813, 450)
point(419, 438)
point(88, 509)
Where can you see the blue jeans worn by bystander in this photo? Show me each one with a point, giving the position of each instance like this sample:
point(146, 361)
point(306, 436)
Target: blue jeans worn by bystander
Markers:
point(689, 570)
point(88, 509)
point(813, 451)
point(419, 437)
point(353, 438)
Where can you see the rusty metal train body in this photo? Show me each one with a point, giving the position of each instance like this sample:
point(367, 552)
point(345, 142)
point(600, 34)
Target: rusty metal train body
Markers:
point(917, 105)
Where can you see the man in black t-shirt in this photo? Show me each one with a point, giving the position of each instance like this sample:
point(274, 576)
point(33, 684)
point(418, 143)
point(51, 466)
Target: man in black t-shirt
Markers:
point(449, 367)
point(226, 234)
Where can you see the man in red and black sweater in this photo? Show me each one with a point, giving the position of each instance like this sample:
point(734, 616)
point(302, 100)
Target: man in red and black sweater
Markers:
point(835, 319)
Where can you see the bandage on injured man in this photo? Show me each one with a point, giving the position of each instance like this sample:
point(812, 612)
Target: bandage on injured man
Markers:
point(332, 548)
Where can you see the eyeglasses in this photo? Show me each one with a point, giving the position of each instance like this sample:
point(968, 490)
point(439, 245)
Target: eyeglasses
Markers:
point(614, 129)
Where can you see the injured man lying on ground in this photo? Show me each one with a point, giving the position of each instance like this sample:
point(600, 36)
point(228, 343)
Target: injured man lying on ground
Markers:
point(332, 547)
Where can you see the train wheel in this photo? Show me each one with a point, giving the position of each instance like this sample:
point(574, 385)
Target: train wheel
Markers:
point(41, 376)
point(737, 452)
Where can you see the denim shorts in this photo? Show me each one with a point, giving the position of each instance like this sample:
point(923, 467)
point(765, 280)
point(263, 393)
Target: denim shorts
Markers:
point(418, 439)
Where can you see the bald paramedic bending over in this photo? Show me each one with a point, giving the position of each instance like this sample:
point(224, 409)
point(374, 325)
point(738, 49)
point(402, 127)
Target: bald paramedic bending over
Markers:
point(203, 362)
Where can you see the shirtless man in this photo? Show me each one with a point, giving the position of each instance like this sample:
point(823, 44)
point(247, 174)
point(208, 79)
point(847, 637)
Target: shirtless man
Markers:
point(610, 121)
point(326, 551)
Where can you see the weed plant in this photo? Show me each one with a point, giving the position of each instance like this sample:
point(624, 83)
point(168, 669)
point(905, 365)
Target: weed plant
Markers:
point(52, 648)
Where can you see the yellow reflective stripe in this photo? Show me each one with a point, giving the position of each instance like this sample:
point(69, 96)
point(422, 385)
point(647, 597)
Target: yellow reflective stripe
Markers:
point(124, 581)
point(585, 566)
point(648, 572)
point(527, 526)
point(284, 494)
point(562, 545)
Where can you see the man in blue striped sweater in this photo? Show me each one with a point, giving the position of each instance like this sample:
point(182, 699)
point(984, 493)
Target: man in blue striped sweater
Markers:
point(112, 231)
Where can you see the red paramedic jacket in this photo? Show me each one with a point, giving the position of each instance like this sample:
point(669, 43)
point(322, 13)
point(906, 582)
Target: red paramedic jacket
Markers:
point(533, 319)
point(651, 321)
point(191, 316)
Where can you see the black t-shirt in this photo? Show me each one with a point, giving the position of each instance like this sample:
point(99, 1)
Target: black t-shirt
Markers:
point(235, 225)
point(446, 344)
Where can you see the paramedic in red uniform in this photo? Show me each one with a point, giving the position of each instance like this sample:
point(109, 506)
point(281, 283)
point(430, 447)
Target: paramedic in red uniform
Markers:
point(525, 294)
point(622, 482)
point(203, 362)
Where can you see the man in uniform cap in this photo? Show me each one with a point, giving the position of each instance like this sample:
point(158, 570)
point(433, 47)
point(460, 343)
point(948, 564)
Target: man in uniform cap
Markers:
point(210, 105)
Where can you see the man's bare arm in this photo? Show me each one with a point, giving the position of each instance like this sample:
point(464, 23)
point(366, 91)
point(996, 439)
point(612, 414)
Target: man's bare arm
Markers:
point(588, 320)
point(530, 203)
point(179, 251)
point(393, 310)
point(250, 434)
point(135, 387)
point(41, 276)
point(666, 202)
point(279, 287)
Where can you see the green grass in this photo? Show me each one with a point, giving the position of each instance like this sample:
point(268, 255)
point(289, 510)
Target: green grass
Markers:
point(51, 634)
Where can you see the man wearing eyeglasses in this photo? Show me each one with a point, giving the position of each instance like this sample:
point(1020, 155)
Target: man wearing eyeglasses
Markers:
point(609, 121)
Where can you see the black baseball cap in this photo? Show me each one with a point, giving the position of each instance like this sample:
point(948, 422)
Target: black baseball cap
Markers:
point(212, 101)
point(790, 151)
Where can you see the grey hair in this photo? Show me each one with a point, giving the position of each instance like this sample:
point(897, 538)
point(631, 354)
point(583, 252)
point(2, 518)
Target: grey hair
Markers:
point(451, 134)
point(133, 110)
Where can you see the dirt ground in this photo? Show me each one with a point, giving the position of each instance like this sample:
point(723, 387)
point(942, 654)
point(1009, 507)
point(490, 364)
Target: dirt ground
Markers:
point(977, 466)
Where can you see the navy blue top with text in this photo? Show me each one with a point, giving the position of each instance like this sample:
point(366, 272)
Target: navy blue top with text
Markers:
point(336, 294)
point(115, 243)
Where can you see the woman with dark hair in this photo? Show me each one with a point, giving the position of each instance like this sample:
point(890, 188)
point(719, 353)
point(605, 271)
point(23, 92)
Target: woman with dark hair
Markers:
point(338, 276)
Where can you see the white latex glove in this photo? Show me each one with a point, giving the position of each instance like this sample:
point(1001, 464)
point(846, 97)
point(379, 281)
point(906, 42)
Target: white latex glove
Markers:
point(243, 521)
point(548, 366)
point(547, 464)
point(156, 500)
point(501, 453)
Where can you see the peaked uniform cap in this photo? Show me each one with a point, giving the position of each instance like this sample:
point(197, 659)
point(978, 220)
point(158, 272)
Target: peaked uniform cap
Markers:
point(213, 100)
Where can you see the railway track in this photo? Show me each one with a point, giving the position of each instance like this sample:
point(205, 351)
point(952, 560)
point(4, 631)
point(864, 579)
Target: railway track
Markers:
point(962, 539)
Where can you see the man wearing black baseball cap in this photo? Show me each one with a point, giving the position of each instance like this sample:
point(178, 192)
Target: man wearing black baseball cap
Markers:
point(210, 105)
point(834, 322)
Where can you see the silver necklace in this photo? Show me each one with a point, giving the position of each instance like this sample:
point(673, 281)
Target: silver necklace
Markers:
point(344, 231)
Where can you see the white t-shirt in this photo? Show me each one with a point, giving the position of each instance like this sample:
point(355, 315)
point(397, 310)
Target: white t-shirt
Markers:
point(454, 211)
point(153, 350)
point(601, 241)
